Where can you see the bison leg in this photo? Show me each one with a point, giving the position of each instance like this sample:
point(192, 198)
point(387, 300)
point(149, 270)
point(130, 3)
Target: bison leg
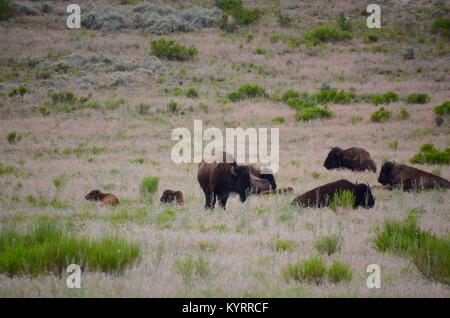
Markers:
point(209, 200)
point(223, 198)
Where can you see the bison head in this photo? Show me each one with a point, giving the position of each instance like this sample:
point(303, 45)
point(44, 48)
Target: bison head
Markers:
point(269, 177)
point(385, 172)
point(241, 181)
point(334, 158)
point(363, 196)
point(94, 195)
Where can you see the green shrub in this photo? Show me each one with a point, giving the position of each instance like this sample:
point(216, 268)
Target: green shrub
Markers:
point(289, 40)
point(13, 137)
point(172, 50)
point(404, 114)
point(173, 107)
point(246, 16)
point(19, 90)
point(190, 268)
point(329, 244)
point(114, 104)
point(301, 103)
point(442, 25)
point(260, 50)
point(344, 23)
point(417, 98)
point(289, 94)
point(241, 15)
point(66, 101)
point(7, 9)
point(279, 120)
point(5, 170)
point(443, 109)
point(327, 33)
point(331, 95)
point(247, 91)
point(342, 199)
point(312, 270)
point(192, 93)
point(284, 245)
point(149, 186)
point(381, 115)
point(311, 113)
point(229, 5)
point(428, 154)
point(48, 248)
point(386, 98)
point(430, 253)
point(339, 271)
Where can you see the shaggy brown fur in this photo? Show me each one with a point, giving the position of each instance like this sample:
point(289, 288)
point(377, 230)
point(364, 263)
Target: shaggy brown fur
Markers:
point(355, 159)
point(170, 196)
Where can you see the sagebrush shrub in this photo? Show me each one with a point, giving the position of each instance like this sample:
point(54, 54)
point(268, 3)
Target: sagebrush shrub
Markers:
point(443, 109)
point(314, 112)
point(429, 154)
point(172, 50)
point(418, 98)
point(381, 115)
point(327, 33)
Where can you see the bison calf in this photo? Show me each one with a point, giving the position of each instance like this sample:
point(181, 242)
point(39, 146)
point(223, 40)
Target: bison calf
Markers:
point(104, 198)
point(322, 196)
point(170, 196)
point(409, 178)
point(355, 159)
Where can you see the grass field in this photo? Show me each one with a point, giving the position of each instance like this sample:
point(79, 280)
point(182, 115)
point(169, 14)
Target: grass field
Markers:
point(113, 129)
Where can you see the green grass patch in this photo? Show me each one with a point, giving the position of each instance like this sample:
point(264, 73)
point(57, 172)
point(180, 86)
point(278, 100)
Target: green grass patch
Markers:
point(13, 137)
point(312, 270)
point(430, 253)
point(342, 199)
point(329, 244)
point(66, 101)
point(18, 91)
point(4, 170)
point(47, 248)
point(191, 268)
point(429, 154)
point(339, 272)
point(284, 245)
point(386, 98)
point(327, 33)
point(442, 25)
point(172, 50)
point(148, 187)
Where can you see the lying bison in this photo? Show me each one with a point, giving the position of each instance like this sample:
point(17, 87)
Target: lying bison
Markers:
point(103, 198)
point(409, 178)
point(220, 179)
point(170, 196)
point(322, 196)
point(355, 159)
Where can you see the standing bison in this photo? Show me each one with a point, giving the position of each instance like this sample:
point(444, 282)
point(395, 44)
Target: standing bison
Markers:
point(409, 178)
point(322, 196)
point(220, 179)
point(266, 176)
point(355, 159)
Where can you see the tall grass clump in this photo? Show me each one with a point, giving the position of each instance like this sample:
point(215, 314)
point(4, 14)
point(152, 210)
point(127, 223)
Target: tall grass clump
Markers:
point(7, 10)
point(327, 33)
point(311, 270)
point(429, 154)
point(172, 50)
point(47, 248)
point(443, 109)
point(342, 199)
point(339, 272)
point(247, 91)
point(329, 244)
point(190, 268)
point(13, 137)
point(148, 188)
point(311, 113)
point(417, 98)
point(381, 115)
point(430, 253)
point(18, 91)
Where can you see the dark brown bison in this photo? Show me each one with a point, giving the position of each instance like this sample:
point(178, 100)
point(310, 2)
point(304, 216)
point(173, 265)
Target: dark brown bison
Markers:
point(355, 159)
point(104, 198)
point(170, 196)
point(409, 178)
point(322, 196)
point(277, 191)
point(267, 176)
point(219, 180)
point(259, 185)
